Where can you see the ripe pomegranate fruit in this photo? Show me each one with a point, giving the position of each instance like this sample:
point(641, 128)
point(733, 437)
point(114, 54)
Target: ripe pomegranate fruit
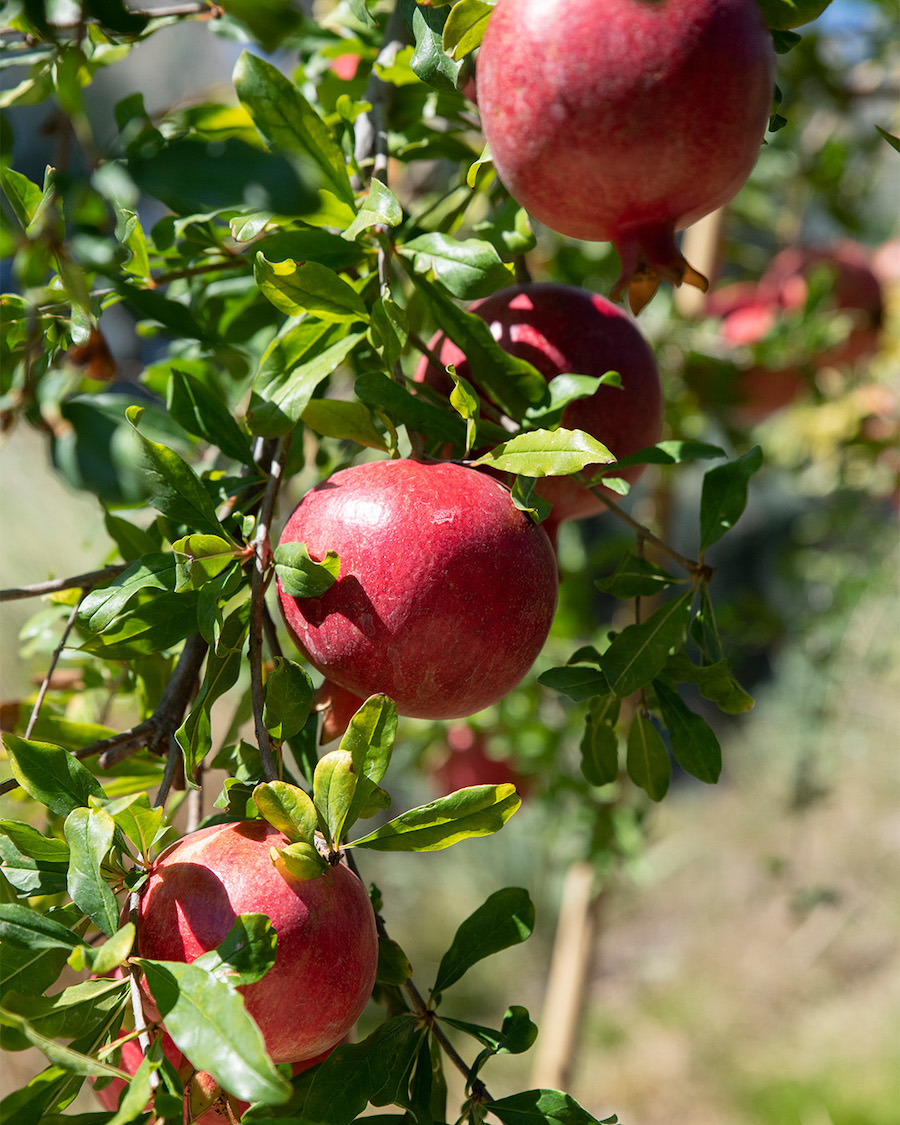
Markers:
point(132, 1055)
point(327, 949)
point(446, 590)
point(562, 329)
point(625, 120)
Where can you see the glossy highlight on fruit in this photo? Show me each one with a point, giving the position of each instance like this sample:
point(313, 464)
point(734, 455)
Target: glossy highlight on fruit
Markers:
point(446, 590)
point(625, 120)
point(561, 329)
point(327, 949)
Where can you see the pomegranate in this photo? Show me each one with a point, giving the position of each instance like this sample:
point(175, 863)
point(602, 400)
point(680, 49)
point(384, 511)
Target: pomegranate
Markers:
point(466, 762)
point(625, 120)
point(327, 949)
point(561, 329)
point(446, 590)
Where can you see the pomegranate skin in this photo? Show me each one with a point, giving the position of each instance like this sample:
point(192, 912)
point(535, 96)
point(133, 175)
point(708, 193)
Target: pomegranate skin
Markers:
point(446, 592)
point(327, 949)
point(625, 120)
point(562, 329)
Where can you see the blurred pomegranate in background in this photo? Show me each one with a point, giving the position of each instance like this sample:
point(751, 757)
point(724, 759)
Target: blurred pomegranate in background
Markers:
point(466, 762)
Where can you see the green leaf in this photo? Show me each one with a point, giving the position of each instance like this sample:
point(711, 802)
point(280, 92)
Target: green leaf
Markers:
point(376, 1070)
point(308, 287)
point(302, 576)
point(600, 742)
point(22, 926)
point(465, 27)
point(287, 699)
point(389, 329)
point(32, 863)
point(202, 412)
point(65, 1057)
point(155, 571)
point(429, 61)
point(334, 787)
point(270, 22)
point(346, 421)
point(478, 811)
point(289, 809)
point(208, 1022)
point(69, 1014)
point(724, 495)
point(694, 744)
point(542, 1107)
point(143, 824)
point(103, 959)
point(24, 196)
point(289, 124)
point(468, 269)
point(89, 833)
point(893, 141)
point(638, 653)
point(175, 489)
point(393, 964)
point(505, 919)
point(380, 393)
point(563, 390)
point(672, 452)
point(300, 860)
point(647, 761)
point(714, 681)
point(543, 453)
point(245, 954)
point(514, 384)
point(200, 558)
point(51, 775)
point(369, 738)
point(379, 208)
point(577, 681)
point(635, 577)
point(291, 369)
point(517, 1035)
point(153, 622)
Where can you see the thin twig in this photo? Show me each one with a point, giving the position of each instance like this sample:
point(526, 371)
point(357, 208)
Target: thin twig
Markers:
point(645, 534)
point(54, 585)
point(155, 732)
point(173, 761)
point(259, 579)
point(54, 660)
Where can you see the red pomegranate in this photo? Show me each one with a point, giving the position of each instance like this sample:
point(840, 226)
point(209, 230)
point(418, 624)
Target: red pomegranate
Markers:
point(327, 949)
point(625, 120)
point(466, 762)
point(562, 329)
point(446, 591)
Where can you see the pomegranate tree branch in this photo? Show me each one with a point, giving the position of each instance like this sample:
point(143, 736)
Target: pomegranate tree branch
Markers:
point(259, 579)
point(54, 585)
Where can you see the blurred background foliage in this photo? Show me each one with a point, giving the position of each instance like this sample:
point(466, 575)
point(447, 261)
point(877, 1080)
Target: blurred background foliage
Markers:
point(746, 968)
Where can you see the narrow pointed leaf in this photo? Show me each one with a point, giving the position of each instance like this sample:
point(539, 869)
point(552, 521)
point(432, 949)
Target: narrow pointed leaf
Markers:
point(205, 414)
point(478, 811)
point(638, 653)
point(245, 954)
point(89, 833)
point(694, 744)
point(635, 577)
point(308, 287)
point(64, 1057)
point(577, 681)
point(648, 762)
point(600, 742)
point(24, 927)
point(175, 489)
point(288, 699)
point(154, 571)
point(71, 1013)
point(209, 1024)
point(506, 918)
point(542, 1107)
point(33, 863)
point(51, 775)
point(724, 495)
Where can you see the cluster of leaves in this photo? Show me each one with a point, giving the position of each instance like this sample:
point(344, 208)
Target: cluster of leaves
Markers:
point(287, 290)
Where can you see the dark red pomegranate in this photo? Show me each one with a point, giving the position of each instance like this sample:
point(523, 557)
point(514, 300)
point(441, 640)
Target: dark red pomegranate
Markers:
point(561, 329)
point(625, 120)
